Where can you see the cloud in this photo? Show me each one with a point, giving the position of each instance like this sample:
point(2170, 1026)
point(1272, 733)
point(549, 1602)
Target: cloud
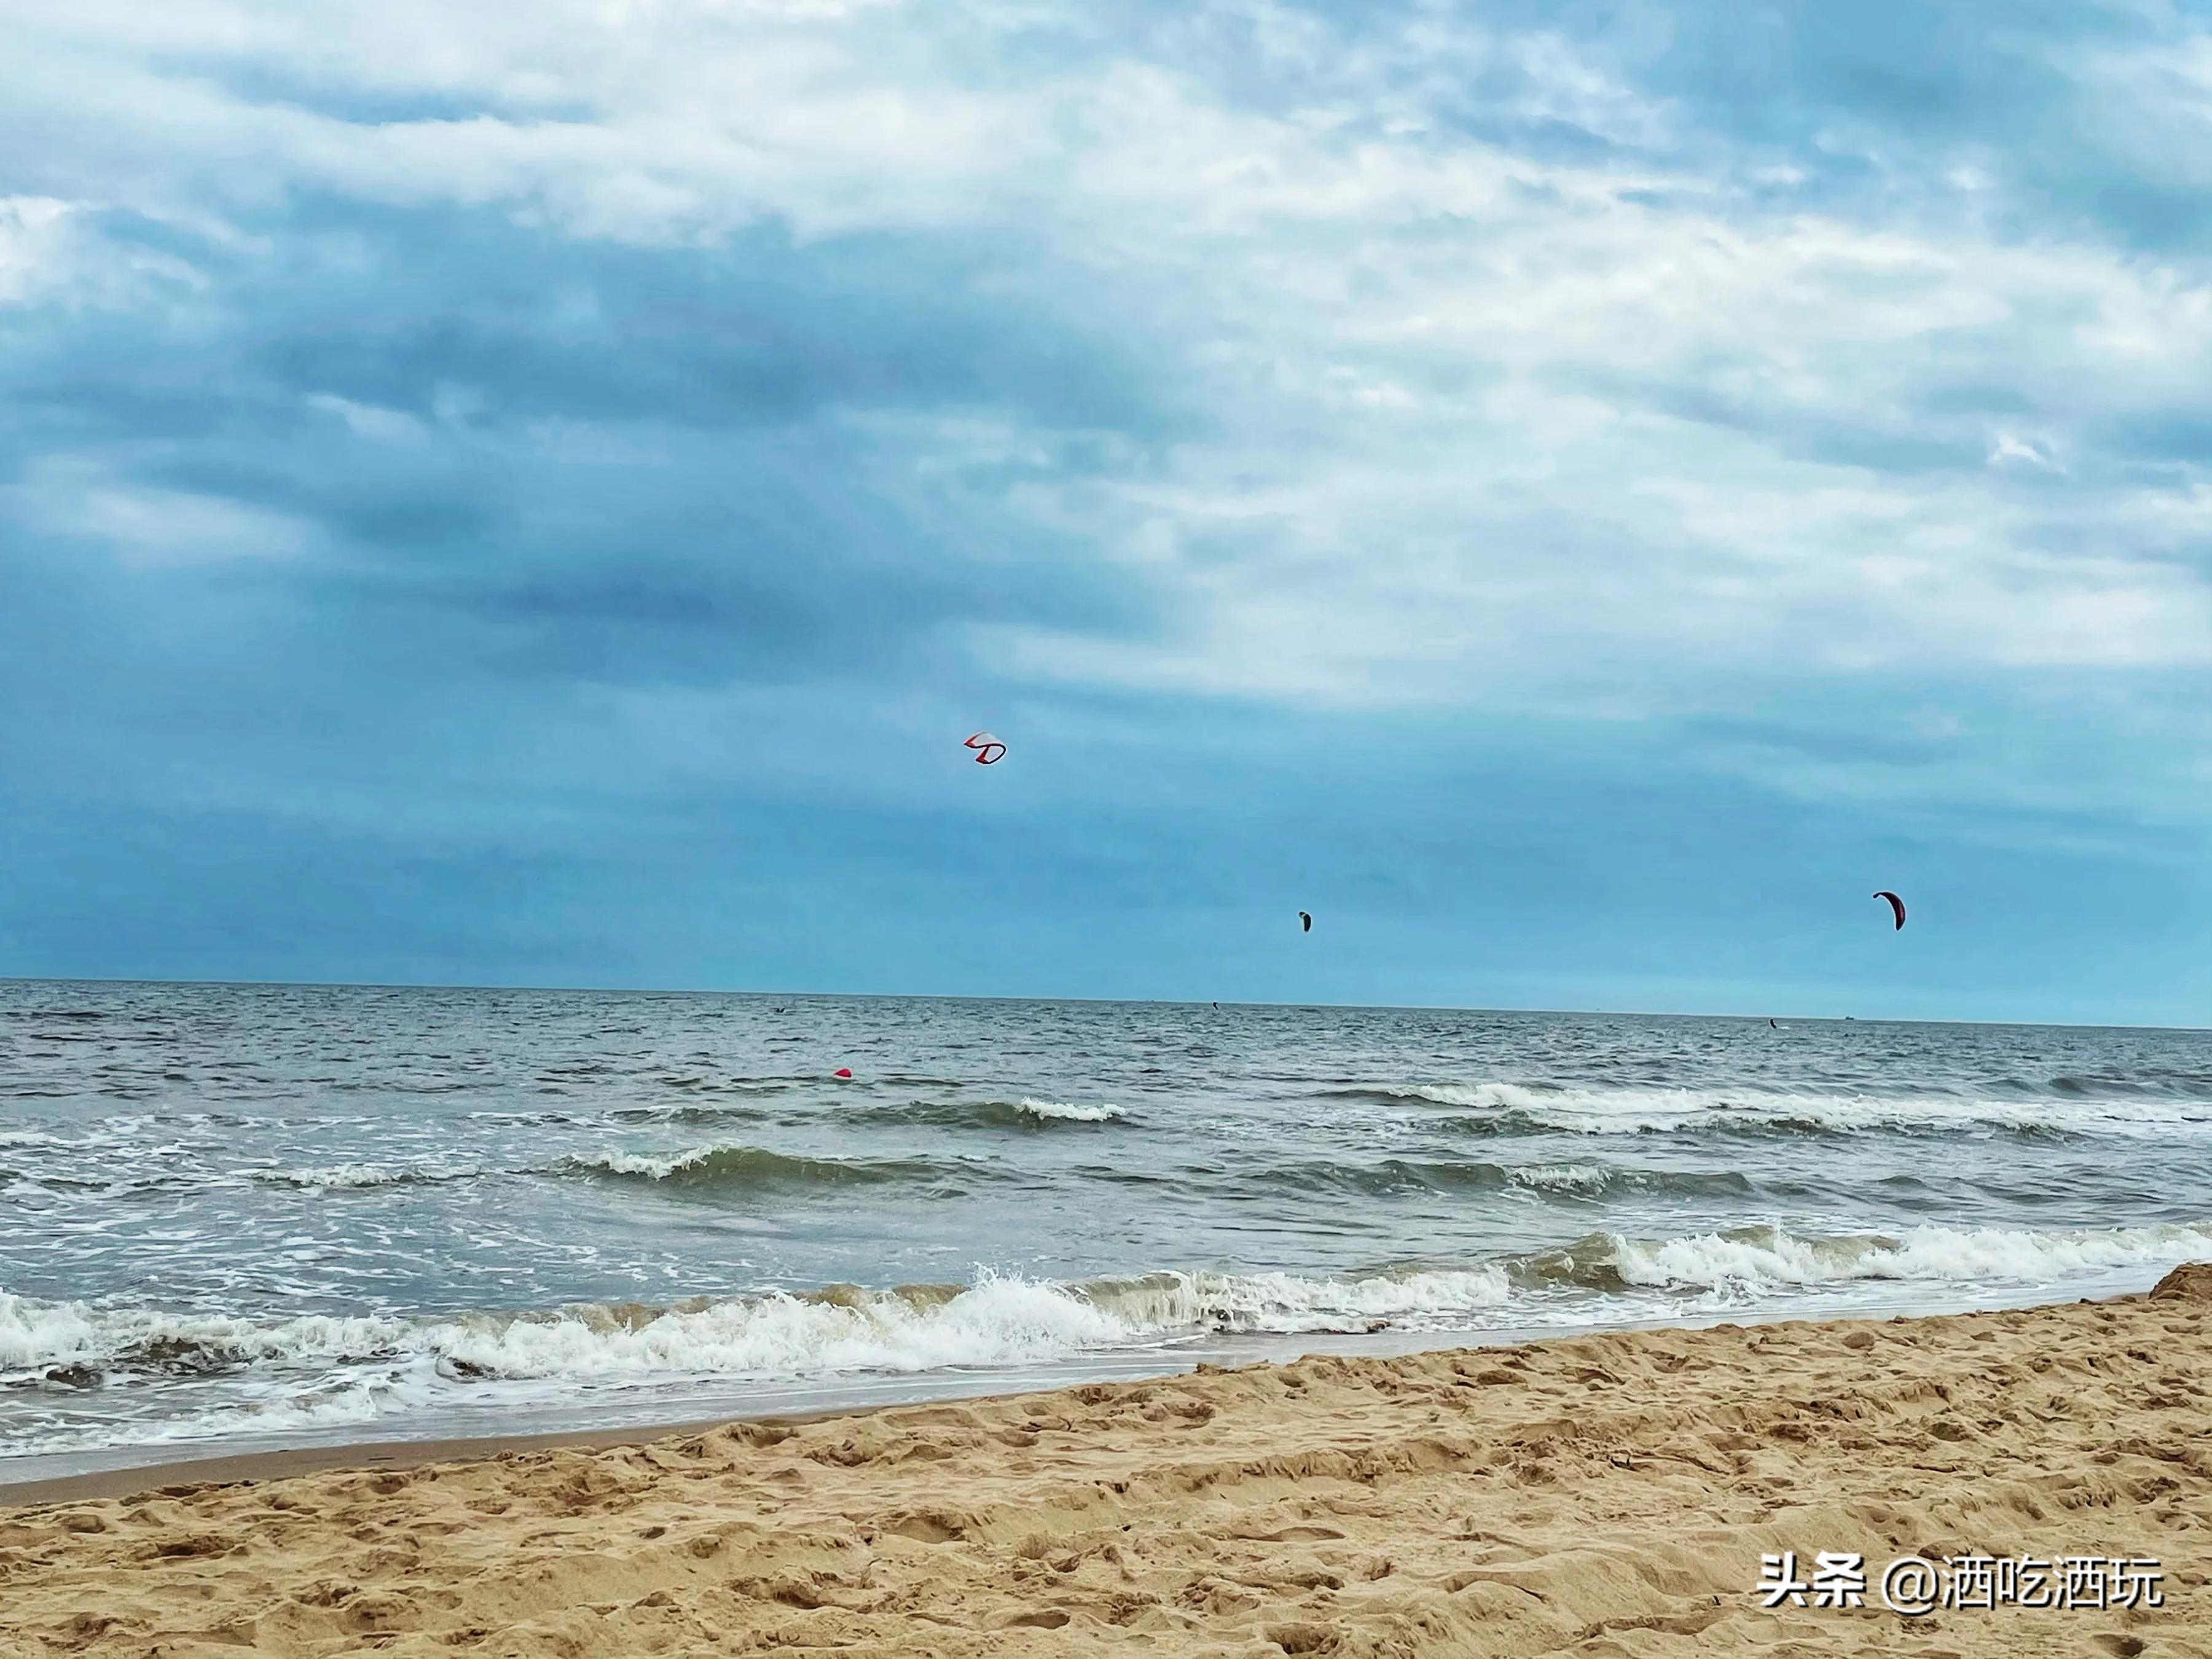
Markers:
point(537, 397)
point(65, 501)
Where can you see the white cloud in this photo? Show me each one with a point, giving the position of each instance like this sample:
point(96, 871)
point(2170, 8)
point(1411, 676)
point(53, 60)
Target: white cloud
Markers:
point(52, 252)
point(367, 421)
point(2006, 447)
point(145, 528)
point(33, 240)
point(1480, 422)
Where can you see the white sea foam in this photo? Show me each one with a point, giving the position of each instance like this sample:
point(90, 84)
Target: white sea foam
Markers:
point(341, 1177)
point(1294, 1303)
point(1757, 1260)
point(35, 1334)
point(1636, 1111)
point(1048, 1111)
point(341, 1404)
point(998, 1321)
point(654, 1166)
point(1003, 1320)
point(183, 1374)
point(745, 1166)
point(1583, 1178)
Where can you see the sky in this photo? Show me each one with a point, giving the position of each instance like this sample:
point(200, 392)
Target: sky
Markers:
point(1576, 496)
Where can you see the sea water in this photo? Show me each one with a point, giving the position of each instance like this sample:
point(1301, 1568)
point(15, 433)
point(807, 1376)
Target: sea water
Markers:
point(237, 1216)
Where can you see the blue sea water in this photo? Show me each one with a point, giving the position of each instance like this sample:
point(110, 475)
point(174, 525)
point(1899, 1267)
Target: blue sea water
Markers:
point(242, 1216)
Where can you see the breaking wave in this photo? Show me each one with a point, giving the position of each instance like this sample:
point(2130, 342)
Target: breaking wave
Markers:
point(745, 1167)
point(312, 1371)
point(1746, 1262)
point(344, 1177)
point(1283, 1303)
point(689, 1113)
point(1569, 1181)
point(1022, 1114)
point(1056, 1111)
point(1003, 1319)
point(36, 1336)
point(1000, 1320)
point(1508, 1108)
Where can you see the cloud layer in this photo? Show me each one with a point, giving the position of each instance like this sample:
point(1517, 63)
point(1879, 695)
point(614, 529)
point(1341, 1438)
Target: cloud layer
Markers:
point(471, 434)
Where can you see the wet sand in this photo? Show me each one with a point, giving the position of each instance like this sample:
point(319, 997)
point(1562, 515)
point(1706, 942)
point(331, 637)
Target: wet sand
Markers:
point(239, 1466)
point(1602, 1495)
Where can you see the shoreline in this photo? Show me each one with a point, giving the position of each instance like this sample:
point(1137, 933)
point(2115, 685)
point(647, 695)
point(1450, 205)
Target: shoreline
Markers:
point(1600, 1494)
point(240, 1468)
point(209, 1464)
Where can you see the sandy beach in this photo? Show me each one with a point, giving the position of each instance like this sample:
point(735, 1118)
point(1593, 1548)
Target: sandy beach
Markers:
point(1605, 1495)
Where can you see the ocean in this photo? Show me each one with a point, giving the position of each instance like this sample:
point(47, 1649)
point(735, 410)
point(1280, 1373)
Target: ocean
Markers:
point(243, 1217)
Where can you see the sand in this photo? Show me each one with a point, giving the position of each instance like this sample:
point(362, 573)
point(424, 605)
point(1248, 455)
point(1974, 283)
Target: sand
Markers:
point(1605, 1495)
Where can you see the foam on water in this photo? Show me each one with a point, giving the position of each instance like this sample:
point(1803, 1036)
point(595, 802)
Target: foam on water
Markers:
point(1753, 1261)
point(162, 1376)
point(1054, 1111)
point(1003, 1319)
point(255, 1210)
point(35, 1334)
point(740, 1167)
point(1282, 1304)
point(342, 1177)
point(1602, 1111)
point(1027, 1113)
point(998, 1320)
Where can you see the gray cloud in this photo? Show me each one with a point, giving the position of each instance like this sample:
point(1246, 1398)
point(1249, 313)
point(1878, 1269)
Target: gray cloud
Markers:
point(414, 412)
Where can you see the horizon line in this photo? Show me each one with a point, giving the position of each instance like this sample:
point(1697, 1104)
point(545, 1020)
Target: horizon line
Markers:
point(1159, 1002)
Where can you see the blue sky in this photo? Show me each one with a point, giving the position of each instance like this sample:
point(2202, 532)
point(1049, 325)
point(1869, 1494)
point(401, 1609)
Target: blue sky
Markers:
point(1576, 496)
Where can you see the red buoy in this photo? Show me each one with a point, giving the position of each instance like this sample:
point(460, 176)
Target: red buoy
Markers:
point(845, 1071)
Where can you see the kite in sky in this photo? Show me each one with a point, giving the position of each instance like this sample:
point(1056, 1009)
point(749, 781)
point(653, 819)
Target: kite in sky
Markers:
point(1305, 922)
point(986, 747)
point(1896, 904)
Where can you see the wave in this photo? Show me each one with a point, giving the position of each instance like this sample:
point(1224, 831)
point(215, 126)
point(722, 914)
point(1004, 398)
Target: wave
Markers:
point(692, 1114)
point(1511, 1108)
point(329, 1363)
point(1599, 1180)
point(36, 1334)
point(1286, 1303)
point(1057, 1111)
point(1568, 1180)
point(743, 1167)
point(997, 1321)
point(1392, 1174)
point(1023, 1114)
point(699, 1169)
point(1000, 1320)
point(1750, 1261)
point(346, 1178)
